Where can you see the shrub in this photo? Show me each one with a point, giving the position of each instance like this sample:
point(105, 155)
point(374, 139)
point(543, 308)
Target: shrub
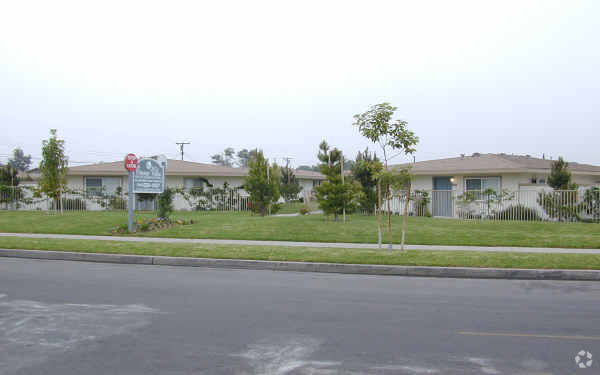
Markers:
point(165, 203)
point(518, 212)
point(117, 203)
point(275, 207)
point(304, 210)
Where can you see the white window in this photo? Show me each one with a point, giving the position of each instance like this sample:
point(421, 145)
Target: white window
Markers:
point(102, 185)
point(316, 183)
point(482, 184)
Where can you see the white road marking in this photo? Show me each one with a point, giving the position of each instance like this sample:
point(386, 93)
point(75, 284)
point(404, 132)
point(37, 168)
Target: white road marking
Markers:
point(485, 365)
point(411, 369)
point(31, 331)
point(281, 356)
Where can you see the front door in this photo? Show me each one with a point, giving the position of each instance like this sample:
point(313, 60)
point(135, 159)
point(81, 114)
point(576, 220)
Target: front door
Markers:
point(441, 199)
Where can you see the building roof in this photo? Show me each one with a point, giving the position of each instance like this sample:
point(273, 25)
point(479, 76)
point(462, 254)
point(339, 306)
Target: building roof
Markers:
point(492, 163)
point(178, 168)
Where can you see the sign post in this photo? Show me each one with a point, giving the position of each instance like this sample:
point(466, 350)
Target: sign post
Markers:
point(131, 163)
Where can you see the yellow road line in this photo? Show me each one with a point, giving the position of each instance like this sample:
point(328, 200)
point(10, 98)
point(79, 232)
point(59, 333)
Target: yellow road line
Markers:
point(532, 335)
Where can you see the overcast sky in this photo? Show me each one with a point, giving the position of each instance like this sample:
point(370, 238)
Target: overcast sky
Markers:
point(137, 76)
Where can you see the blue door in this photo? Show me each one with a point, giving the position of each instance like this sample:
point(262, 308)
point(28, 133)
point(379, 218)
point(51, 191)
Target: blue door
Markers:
point(441, 197)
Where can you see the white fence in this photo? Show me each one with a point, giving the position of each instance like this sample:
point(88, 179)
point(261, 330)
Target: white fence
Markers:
point(582, 205)
point(25, 199)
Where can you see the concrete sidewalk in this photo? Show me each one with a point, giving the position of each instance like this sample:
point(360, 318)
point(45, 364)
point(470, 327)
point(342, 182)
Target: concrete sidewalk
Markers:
point(306, 244)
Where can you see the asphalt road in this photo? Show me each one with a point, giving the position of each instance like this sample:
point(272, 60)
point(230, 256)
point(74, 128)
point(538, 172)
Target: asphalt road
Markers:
point(60, 317)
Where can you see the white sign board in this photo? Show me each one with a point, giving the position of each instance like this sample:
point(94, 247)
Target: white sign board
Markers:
point(149, 177)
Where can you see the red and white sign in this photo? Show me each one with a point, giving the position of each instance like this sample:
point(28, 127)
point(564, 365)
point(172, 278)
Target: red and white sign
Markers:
point(131, 162)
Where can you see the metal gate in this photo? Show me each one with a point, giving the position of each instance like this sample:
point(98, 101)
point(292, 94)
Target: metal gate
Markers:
point(441, 197)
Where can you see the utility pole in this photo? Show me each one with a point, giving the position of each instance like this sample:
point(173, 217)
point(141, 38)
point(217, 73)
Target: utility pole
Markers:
point(287, 167)
point(181, 144)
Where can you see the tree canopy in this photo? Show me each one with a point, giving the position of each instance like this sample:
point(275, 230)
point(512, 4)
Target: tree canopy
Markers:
point(262, 183)
point(19, 160)
point(333, 195)
point(53, 167)
point(560, 177)
point(365, 170)
point(8, 175)
point(290, 187)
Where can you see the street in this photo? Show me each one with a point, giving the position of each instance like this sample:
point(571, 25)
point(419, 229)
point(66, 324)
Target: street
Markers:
point(59, 317)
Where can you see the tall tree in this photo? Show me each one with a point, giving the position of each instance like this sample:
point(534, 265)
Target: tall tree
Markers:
point(225, 159)
point(244, 157)
point(20, 161)
point(334, 195)
point(394, 139)
point(262, 183)
point(365, 170)
point(53, 168)
point(560, 176)
point(290, 187)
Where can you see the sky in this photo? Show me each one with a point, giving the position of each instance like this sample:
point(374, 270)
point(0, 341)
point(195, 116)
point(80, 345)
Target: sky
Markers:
point(115, 77)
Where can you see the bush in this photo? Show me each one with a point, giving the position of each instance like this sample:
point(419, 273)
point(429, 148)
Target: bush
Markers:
point(117, 203)
point(518, 212)
point(165, 203)
point(275, 207)
point(304, 210)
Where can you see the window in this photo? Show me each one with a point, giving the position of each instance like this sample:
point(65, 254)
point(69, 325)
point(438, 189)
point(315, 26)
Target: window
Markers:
point(193, 183)
point(316, 183)
point(481, 184)
point(102, 185)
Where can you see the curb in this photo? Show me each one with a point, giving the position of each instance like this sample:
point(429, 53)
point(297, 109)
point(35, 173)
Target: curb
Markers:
point(358, 269)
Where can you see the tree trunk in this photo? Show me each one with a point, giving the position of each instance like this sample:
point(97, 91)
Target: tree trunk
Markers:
point(389, 215)
point(379, 213)
point(404, 217)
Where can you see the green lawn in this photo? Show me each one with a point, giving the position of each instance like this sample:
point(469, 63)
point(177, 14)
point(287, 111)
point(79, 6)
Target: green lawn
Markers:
point(316, 228)
point(294, 207)
point(307, 254)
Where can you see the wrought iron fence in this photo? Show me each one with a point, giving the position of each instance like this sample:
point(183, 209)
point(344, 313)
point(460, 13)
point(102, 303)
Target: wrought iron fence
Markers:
point(25, 198)
point(582, 205)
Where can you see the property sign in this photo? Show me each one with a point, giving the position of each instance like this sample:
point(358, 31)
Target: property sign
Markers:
point(131, 162)
point(149, 177)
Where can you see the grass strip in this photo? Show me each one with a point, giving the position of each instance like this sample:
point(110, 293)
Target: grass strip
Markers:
point(307, 254)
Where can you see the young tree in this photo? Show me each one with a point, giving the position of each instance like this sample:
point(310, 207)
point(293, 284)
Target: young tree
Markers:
point(20, 161)
point(9, 175)
point(225, 159)
point(290, 187)
point(365, 169)
point(560, 177)
point(262, 183)
point(394, 139)
point(334, 195)
point(9, 181)
point(53, 168)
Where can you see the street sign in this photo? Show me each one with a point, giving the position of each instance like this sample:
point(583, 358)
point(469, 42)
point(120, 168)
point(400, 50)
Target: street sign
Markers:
point(131, 162)
point(149, 177)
